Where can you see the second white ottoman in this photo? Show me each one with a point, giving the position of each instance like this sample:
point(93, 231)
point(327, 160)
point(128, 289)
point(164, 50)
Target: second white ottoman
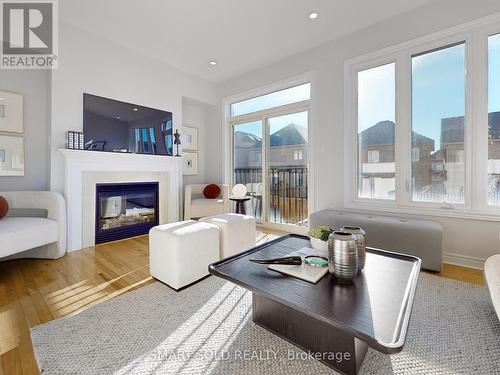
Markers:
point(237, 232)
point(179, 253)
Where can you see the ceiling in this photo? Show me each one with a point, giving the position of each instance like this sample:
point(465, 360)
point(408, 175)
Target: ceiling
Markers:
point(241, 35)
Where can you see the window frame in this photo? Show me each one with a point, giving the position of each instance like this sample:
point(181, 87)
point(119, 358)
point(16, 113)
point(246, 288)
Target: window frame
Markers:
point(263, 115)
point(386, 60)
point(475, 36)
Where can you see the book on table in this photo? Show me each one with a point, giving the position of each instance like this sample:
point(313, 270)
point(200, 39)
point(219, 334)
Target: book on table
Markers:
point(304, 272)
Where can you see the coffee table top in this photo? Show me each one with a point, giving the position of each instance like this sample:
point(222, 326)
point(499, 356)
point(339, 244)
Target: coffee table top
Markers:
point(375, 309)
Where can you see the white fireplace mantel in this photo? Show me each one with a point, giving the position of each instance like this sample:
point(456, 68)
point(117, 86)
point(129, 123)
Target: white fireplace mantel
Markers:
point(79, 163)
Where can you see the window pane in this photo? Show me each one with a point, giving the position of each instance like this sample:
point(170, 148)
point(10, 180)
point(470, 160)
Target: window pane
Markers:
point(376, 132)
point(494, 119)
point(274, 99)
point(287, 174)
point(247, 162)
point(438, 110)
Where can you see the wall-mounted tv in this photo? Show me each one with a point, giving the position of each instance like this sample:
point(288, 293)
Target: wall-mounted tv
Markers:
point(115, 126)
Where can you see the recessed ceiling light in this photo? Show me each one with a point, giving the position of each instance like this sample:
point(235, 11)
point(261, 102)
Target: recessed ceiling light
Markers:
point(213, 62)
point(136, 109)
point(118, 117)
point(313, 15)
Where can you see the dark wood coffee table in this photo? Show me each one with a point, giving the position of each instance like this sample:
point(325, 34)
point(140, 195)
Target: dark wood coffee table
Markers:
point(327, 318)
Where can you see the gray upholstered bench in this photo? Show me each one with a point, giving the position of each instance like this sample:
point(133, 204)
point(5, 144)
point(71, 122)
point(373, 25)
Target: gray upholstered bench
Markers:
point(422, 238)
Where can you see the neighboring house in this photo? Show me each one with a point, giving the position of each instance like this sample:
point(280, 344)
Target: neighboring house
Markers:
point(288, 148)
point(247, 150)
point(448, 172)
point(434, 172)
point(494, 157)
point(377, 159)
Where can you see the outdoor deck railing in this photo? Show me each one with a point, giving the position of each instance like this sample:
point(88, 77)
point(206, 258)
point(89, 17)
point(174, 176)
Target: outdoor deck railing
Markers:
point(287, 193)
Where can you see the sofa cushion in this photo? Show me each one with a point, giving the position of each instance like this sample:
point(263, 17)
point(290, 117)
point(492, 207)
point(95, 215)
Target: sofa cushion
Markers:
point(206, 202)
point(492, 277)
point(4, 207)
point(19, 234)
point(211, 191)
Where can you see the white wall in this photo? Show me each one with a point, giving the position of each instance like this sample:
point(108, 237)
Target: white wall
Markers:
point(463, 238)
point(93, 65)
point(34, 86)
point(201, 116)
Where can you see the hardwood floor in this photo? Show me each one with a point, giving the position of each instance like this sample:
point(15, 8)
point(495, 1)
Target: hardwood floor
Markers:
point(36, 291)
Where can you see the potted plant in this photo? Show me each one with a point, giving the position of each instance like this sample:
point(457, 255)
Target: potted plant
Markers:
point(319, 237)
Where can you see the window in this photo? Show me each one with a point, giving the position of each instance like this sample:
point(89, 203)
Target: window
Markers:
point(494, 120)
point(438, 124)
point(376, 129)
point(438, 143)
point(144, 139)
point(415, 154)
point(275, 99)
point(373, 156)
point(270, 152)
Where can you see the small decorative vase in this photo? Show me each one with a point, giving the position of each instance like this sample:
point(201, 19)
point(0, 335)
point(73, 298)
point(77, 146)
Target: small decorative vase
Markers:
point(343, 256)
point(318, 244)
point(360, 236)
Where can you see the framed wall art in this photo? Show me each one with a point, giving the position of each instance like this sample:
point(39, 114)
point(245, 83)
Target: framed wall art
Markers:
point(11, 155)
point(190, 163)
point(11, 113)
point(189, 138)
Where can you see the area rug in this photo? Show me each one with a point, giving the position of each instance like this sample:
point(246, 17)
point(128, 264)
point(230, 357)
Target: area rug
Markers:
point(207, 329)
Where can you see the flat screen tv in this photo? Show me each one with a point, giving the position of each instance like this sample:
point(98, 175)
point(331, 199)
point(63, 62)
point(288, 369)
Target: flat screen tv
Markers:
point(115, 126)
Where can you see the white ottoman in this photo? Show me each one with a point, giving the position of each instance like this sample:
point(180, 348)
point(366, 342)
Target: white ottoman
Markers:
point(179, 253)
point(237, 232)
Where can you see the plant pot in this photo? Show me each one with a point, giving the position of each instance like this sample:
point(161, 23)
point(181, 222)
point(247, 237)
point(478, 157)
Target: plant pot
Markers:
point(318, 244)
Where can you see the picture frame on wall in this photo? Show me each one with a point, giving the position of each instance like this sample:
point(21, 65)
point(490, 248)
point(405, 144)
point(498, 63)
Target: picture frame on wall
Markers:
point(11, 112)
point(190, 163)
point(11, 155)
point(189, 138)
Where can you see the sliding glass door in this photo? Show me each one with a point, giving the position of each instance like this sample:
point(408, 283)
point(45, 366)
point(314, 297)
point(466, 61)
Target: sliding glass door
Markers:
point(247, 163)
point(277, 145)
point(287, 168)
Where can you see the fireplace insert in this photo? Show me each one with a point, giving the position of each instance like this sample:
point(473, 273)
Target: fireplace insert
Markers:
point(125, 210)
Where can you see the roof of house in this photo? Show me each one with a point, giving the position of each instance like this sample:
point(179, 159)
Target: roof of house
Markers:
point(292, 134)
point(383, 133)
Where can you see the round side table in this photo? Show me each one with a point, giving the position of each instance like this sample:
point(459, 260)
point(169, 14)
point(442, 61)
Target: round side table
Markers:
point(240, 204)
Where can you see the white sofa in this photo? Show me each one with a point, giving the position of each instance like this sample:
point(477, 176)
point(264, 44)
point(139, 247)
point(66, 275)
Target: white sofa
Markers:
point(492, 278)
point(196, 205)
point(35, 226)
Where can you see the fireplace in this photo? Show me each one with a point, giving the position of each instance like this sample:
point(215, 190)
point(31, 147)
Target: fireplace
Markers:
point(125, 210)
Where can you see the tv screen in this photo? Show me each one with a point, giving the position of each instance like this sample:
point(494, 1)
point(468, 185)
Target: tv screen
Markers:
point(115, 126)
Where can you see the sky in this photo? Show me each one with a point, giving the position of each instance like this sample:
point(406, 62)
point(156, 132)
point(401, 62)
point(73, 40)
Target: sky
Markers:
point(438, 89)
point(275, 99)
point(494, 73)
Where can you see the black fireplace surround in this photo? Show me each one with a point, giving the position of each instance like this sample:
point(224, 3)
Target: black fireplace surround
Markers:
point(125, 210)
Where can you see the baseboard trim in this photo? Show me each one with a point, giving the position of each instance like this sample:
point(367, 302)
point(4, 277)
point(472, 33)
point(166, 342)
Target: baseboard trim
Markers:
point(463, 260)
